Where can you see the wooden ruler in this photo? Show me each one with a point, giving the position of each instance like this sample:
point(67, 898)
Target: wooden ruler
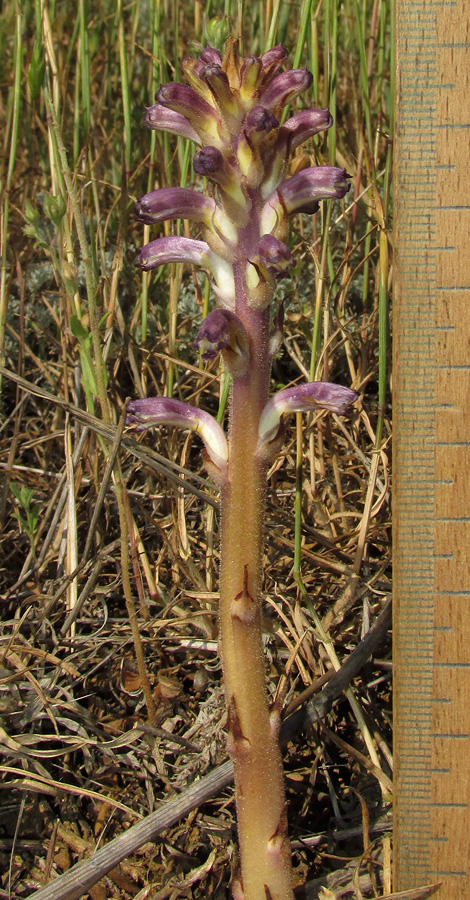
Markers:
point(432, 447)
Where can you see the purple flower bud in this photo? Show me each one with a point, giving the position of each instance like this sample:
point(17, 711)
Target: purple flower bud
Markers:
point(302, 398)
point(274, 57)
point(302, 192)
point(304, 124)
point(250, 78)
point(182, 203)
point(223, 332)
point(210, 162)
point(201, 116)
point(258, 134)
point(211, 56)
point(143, 414)
point(194, 71)
point(218, 83)
point(276, 254)
point(182, 249)
point(284, 88)
point(259, 119)
point(160, 118)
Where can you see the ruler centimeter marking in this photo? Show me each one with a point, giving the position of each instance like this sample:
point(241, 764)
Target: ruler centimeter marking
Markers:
point(432, 448)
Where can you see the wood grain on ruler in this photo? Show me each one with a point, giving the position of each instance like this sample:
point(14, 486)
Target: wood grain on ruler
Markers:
point(432, 447)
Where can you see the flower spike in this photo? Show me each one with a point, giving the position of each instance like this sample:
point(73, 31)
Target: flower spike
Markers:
point(232, 110)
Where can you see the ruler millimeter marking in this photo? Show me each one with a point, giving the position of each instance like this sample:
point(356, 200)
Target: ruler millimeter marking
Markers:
point(432, 448)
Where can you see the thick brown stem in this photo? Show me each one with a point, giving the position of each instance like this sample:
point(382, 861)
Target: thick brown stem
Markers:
point(253, 728)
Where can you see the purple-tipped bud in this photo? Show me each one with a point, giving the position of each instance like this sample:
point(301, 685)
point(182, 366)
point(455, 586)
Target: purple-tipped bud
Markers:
point(250, 78)
point(182, 203)
point(211, 163)
point(219, 85)
point(274, 58)
point(276, 254)
point(223, 332)
point(160, 118)
point(208, 162)
point(302, 193)
point(258, 134)
point(259, 120)
point(211, 56)
point(284, 88)
point(194, 71)
point(182, 249)
point(303, 398)
point(143, 414)
point(201, 116)
point(304, 124)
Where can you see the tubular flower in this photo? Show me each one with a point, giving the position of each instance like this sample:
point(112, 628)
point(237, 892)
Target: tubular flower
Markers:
point(303, 398)
point(223, 332)
point(181, 249)
point(144, 414)
point(182, 203)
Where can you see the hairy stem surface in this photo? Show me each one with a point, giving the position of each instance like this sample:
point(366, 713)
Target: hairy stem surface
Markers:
point(253, 728)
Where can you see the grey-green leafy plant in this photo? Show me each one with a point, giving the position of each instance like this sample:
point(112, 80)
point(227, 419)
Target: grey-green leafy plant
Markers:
point(232, 110)
point(28, 517)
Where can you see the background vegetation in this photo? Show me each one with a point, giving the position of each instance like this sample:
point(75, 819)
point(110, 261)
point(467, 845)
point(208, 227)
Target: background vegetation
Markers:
point(110, 697)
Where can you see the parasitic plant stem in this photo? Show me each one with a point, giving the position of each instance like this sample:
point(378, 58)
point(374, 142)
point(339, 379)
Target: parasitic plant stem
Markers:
point(232, 110)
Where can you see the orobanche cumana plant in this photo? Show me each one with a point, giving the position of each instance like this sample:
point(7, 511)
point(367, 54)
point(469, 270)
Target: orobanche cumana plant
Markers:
point(232, 111)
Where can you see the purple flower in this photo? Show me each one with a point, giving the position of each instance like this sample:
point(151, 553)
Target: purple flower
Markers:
point(223, 332)
point(218, 83)
point(201, 116)
point(303, 398)
point(182, 203)
point(144, 414)
point(211, 55)
point(258, 135)
point(276, 254)
point(272, 59)
point(194, 70)
point(211, 163)
point(265, 268)
point(305, 124)
point(284, 88)
point(160, 118)
point(302, 192)
point(182, 249)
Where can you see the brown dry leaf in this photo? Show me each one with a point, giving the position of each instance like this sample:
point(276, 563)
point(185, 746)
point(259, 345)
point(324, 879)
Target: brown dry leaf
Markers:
point(62, 859)
point(168, 689)
point(130, 681)
point(98, 891)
